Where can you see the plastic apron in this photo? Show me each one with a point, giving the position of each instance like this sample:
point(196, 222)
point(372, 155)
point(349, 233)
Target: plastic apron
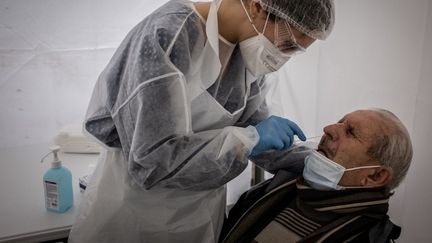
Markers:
point(114, 209)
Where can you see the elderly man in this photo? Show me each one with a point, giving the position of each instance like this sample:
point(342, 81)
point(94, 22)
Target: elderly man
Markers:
point(344, 191)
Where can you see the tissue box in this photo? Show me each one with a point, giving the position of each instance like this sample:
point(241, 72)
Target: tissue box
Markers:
point(72, 140)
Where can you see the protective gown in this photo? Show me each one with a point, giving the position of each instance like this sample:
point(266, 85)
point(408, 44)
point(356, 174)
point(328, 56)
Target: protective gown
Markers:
point(174, 108)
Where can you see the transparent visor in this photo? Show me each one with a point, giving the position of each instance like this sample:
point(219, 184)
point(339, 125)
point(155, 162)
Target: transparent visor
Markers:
point(285, 40)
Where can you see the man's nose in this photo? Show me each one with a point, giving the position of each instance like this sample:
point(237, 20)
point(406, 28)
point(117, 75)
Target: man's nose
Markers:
point(333, 131)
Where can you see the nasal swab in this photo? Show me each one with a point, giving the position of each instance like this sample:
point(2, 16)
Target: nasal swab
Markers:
point(308, 139)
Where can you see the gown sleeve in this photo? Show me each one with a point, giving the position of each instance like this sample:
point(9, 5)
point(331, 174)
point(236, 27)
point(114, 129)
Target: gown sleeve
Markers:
point(144, 110)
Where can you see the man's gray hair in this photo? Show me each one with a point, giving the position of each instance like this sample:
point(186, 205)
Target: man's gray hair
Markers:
point(393, 149)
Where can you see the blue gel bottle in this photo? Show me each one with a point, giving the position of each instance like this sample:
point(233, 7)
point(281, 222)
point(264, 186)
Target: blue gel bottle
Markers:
point(57, 183)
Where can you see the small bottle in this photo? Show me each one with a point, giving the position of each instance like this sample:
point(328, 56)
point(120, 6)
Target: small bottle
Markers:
point(57, 185)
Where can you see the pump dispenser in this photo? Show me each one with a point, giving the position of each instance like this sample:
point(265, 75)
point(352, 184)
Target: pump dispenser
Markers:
point(57, 184)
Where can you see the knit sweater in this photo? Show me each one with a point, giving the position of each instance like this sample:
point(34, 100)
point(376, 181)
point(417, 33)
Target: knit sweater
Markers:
point(291, 211)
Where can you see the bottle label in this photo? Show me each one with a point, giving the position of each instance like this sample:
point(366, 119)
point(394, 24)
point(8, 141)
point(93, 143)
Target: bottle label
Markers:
point(51, 195)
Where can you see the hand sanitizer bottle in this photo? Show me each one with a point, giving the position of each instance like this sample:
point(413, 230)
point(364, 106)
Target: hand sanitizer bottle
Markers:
point(57, 185)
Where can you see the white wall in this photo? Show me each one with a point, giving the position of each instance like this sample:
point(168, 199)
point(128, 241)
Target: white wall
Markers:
point(379, 55)
point(51, 53)
point(418, 194)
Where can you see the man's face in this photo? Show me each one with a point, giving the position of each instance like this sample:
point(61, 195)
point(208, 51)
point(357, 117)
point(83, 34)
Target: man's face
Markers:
point(348, 141)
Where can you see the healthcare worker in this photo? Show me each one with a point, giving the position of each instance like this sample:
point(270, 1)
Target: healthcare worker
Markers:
point(180, 108)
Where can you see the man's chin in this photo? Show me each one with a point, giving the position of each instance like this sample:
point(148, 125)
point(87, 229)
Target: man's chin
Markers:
point(322, 151)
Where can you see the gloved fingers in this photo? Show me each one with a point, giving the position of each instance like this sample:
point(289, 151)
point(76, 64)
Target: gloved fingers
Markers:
point(288, 136)
point(284, 130)
point(291, 141)
point(287, 140)
point(278, 144)
point(297, 130)
point(277, 133)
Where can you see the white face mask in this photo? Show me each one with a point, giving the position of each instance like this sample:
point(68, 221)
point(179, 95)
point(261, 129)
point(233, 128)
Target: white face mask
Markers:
point(260, 55)
point(322, 173)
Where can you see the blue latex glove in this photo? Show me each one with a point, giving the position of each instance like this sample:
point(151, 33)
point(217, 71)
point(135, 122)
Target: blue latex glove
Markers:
point(276, 133)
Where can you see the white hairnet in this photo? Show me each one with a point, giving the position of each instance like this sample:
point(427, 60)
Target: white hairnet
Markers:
point(315, 18)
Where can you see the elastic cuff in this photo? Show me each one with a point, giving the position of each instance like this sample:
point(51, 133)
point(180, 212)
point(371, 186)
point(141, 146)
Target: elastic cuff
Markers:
point(249, 136)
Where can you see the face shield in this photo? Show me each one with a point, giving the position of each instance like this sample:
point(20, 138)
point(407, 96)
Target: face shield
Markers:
point(284, 38)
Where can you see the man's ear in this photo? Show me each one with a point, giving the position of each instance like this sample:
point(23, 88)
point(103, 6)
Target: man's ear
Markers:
point(255, 9)
point(378, 177)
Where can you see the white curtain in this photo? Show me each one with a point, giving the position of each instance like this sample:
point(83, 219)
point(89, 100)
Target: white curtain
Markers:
point(379, 55)
point(51, 53)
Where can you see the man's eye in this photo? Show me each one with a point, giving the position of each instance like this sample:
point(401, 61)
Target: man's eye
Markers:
point(350, 131)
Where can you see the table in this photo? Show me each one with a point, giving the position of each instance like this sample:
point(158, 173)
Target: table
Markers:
point(23, 216)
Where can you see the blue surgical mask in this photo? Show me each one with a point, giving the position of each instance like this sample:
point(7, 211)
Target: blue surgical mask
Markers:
point(321, 173)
